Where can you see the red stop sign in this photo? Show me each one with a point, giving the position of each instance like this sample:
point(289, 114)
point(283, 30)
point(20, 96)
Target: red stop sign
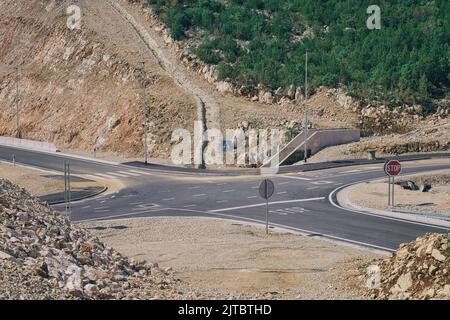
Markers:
point(393, 168)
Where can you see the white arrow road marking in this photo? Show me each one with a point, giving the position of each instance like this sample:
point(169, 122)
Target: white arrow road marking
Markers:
point(263, 204)
point(322, 182)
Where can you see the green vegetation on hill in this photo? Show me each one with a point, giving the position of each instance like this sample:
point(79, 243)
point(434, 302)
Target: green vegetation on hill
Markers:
point(264, 42)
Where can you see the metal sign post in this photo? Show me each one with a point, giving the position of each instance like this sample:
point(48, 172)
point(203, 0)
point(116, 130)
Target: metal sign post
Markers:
point(392, 168)
point(266, 190)
point(67, 189)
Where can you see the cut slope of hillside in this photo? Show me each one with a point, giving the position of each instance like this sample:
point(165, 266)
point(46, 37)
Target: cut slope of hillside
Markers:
point(82, 89)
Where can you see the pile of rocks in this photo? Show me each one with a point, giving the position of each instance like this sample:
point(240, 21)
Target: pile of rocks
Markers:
point(44, 256)
point(418, 270)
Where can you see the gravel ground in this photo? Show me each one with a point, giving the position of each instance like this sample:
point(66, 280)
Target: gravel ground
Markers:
point(375, 195)
point(237, 260)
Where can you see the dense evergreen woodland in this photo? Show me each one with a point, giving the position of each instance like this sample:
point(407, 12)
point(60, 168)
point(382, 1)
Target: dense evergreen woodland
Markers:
point(264, 42)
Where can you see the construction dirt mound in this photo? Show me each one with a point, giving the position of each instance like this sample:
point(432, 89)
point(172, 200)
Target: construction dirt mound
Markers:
point(418, 270)
point(44, 256)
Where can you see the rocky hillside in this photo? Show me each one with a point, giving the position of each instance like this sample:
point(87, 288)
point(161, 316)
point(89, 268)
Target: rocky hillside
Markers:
point(44, 256)
point(418, 270)
point(82, 89)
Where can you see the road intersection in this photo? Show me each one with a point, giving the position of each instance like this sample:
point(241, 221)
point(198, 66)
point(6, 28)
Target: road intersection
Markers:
point(303, 202)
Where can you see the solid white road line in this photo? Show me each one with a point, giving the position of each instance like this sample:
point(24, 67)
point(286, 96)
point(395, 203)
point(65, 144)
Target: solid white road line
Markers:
point(303, 231)
point(263, 204)
point(296, 178)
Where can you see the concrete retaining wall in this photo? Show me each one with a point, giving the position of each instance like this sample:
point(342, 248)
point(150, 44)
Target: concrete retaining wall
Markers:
point(27, 144)
point(334, 137)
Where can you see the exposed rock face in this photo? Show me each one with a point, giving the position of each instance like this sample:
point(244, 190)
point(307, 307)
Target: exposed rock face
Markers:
point(418, 270)
point(62, 261)
point(82, 89)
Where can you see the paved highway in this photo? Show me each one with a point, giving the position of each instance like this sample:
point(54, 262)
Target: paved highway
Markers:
point(303, 201)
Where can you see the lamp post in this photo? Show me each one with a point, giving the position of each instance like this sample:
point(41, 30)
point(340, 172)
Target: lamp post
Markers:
point(306, 108)
point(18, 135)
point(145, 115)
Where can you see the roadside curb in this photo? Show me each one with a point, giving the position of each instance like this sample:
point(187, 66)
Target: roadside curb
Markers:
point(343, 200)
point(52, 203)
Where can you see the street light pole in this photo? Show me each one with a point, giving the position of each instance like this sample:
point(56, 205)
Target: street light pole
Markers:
point(145, 115)
point(18, 135)
point(306, 108)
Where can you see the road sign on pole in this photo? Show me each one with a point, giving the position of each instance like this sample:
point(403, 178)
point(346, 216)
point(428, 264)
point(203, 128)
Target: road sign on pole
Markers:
point(266, 190)
point(392, 168)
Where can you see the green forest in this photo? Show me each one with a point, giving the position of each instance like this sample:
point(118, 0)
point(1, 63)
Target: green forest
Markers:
point(263, 42)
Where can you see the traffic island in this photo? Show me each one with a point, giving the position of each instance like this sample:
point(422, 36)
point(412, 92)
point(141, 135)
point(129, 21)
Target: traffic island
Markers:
point(432, 206)
point(48, 185)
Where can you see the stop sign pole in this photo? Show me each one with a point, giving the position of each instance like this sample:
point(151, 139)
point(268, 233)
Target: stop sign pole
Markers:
point(392, 168)
point(266, 190)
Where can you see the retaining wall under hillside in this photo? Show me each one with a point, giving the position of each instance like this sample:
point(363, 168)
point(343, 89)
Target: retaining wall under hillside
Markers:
point(27, 144)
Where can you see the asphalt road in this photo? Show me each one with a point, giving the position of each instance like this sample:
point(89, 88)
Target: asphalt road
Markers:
point(303, 201)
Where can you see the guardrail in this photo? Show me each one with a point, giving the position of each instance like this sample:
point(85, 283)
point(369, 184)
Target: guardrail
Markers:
point(27, 144)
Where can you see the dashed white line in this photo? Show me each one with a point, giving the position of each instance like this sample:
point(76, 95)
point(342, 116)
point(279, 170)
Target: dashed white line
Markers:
point(283, 183)
point(190, 206)
point(283, 192)
point(228, 191)
point(168, 199)
point(199, 195)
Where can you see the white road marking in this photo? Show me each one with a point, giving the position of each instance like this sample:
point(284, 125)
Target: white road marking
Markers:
point(191, 188)
point(199, 195)
point(352, 171)
point(313, 188)
point(190, 206)
point(130, 173)
point(263, 204)
point(105, 176)
point(322, 182)
point(222, 201)
point(168, 199)
point(118, 175)
point(303, 231)
point(86, 207)
point(252, 197)
point(101, 208)
point(283, 192)
point(228, 191)
point(283, 183)
point(141, 172)
point(296, 178)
